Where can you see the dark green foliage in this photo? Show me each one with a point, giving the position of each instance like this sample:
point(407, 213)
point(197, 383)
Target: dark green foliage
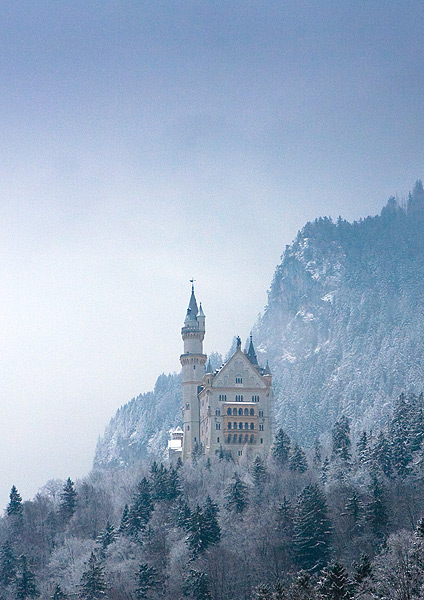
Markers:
point(324, 470)
point(317, 453)
point(312, 529)
point(141, 508)
point(382, 455)
point(297, 460)
point(406, 432)
point(354, 507)
point(419, 531)
point(58, 594)
point(125, 521)
point(196, 585)
point(335, 584)
point(14, 508)
point(182, 513)
point(281, 447)
point(107, 536)
point(377, 514)
point(165, 483)
point(362, 569)
point(93, 585)
point(340, 436)
point(362, 449)
point(147, 579)
point(259, 473)
point(8, 564)
point(25, 582)
point(203, 528)
point(173, 485)
point(68, 501)
point(237, 496)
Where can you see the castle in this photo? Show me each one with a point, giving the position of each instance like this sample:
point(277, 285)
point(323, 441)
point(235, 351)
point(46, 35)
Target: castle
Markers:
point(229, 410)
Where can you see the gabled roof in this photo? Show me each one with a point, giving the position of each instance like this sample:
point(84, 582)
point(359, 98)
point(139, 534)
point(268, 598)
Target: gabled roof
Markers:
point(247, 370)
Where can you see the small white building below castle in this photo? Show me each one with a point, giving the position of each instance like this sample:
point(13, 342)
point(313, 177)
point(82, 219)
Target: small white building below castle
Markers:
point(229, 410)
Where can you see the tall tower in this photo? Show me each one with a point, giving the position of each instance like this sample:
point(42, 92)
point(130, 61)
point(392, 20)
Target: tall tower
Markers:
point(193, 365)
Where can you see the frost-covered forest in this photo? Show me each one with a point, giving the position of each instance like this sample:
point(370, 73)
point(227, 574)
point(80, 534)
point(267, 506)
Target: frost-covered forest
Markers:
point(342, 520)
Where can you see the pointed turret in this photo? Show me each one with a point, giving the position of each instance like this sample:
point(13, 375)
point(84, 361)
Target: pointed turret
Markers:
point(251, 355)
point(209, 367)
point(192, 309)
point(267, 369)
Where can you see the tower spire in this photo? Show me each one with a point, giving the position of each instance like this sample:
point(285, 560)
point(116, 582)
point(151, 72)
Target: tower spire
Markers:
point(251, 354)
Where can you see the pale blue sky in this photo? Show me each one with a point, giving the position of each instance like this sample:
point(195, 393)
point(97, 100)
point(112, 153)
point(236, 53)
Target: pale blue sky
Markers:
point(143, 143)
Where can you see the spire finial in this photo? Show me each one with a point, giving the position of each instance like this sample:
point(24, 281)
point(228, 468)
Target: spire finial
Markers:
point(192, 280)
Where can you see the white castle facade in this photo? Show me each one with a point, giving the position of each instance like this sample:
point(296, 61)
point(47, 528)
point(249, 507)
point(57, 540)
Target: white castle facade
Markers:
point(230, 409)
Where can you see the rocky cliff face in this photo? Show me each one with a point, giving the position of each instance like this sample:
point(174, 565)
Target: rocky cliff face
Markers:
point(344, 328)
point(343, 331)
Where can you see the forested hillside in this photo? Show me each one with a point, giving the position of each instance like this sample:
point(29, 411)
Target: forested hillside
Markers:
point(338, 521)
point(343, 328)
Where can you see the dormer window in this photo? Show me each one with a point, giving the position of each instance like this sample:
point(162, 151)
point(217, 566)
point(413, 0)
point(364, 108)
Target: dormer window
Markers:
point(239, 379)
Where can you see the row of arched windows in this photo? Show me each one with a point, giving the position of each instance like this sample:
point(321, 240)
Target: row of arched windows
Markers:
point(240, 439)
point(241, 426)
point(246, 412)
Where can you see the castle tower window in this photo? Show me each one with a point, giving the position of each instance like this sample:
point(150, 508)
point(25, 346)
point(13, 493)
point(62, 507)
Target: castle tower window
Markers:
point(240, 439)
point(239, 380)
point(217, 440)
point(229, 439)
point(235, 439)
point(234, 425)
point(240, 425)
point(217, 425)
point(229, 425)
point(252, 439)
point(246, 425)
point(240, 452)
point(261, 413)
point(261, 427)
point(240, 411)
point(252, 412)
point(228, 411)
point(246, 437)
point(262, 440)
point(234, 411)
point(218, 412)
point(246, 412)
point(252, 426)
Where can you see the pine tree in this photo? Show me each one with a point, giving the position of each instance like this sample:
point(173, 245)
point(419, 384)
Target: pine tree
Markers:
point(340, 435)
point(147, 578)
point(195, 539)
point(182, 513)
point(317, 454)
point(159, 481)
point(237, 495)
point(106, 537)
point(173, 484)
point(125, 521)
point(25, 582)
point(68, 501)
point(263, 592)
point(312, 529)
point(297, 460)
point(354, 507)
point(362, 569)
point(58, 594)
point(335, 584)
point(285, 521)
point(376, 508)
point(382, 455)
point(212, 531)
point(259, 473)
point(8, 564)
point(93, 585)
point(141, 508)
point(419, 531)
point(196, 585)
point(362, 448)
point(14, 508)
point(281, 447)
point(324, 470)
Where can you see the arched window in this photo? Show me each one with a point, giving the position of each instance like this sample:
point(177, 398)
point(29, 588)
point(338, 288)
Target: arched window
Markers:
point(234, 425)
point(234, 411)
point(229, 439)
point(240, 425)
point(228, 411)
point(234, 439)
point(252, 439)
point(246, 425)
point(252, 412)
point(240, 439)
point(252, 425)
point(246, 437)
point(229, 425)
point(240, 411)
point(218, 411)
point(246, 412)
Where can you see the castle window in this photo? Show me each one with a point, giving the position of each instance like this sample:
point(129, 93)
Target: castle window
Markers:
point(246, 412)
point(228, 411)
point(261, 413)
point(240, 439)
point(252, 426)
point(229, 425)
point(255, 399)
point(240, 452)
point(252, 412)
point(222, 397)
point(235, 426)
point(261, 427)
point(240, 412)
point(217, 425)
point(194, 366)
point(217, 440)
point(235, 439)
point(246, 437)
point(252, 439)
point(262, 440)
point(188, 427)
point(246, 425)
point(240, 425)
point(187, 406)
point(229, 439)
point(239, 398)
point(218, 412)
point(234, 411)
point(239, 380)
